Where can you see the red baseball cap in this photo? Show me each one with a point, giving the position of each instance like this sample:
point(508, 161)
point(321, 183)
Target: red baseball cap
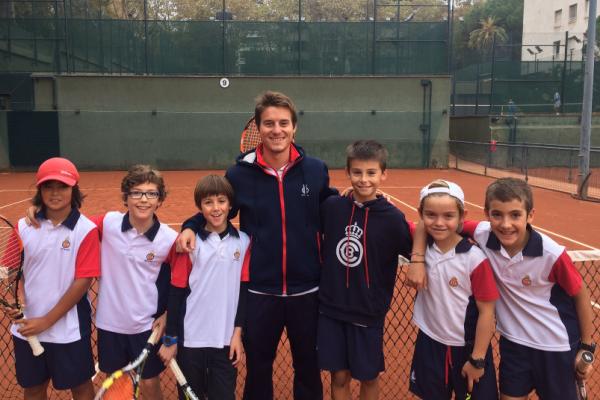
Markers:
point(57, 169)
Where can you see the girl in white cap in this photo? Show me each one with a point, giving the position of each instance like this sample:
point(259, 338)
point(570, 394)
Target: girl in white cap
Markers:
point(455, 314)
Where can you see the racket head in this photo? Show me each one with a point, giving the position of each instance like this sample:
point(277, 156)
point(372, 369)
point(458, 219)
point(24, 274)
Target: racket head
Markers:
point(120, 385)
point(11, 263)
point(250, 138)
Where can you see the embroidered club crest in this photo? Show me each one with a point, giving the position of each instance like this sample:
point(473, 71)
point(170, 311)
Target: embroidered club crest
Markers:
point(150, 256)
point(66, 244)
point(453, 282)
point(526, 281)
point(349, 249)
point(305, 190)
point(236, 255)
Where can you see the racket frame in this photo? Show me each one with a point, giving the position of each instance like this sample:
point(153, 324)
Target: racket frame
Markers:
point(34, 343)
point(133, 370)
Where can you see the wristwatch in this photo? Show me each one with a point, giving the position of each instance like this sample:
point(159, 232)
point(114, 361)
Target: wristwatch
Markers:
point(169, 340)
point(588, 347)
point(478, 363)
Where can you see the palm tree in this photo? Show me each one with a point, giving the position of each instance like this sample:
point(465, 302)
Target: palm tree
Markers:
point(482, 38)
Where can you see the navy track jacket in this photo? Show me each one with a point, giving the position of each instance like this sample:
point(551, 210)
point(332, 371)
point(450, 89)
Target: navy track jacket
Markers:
point(282, 219)
point(360, 258)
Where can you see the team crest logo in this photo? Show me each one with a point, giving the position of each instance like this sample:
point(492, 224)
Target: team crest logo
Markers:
point(349, 249)
point(305, 190)
point(150, 256)
point(526, 281)
point(236, 255)
point(453, 282)
point(66, 244)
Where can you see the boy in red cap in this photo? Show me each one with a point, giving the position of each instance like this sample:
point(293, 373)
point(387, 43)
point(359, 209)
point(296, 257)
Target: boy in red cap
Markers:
point(61, 259)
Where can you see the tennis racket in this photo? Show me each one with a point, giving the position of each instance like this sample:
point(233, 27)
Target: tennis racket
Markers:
point(181, 381)
point(587, 358)
point(124, 384)
point(11, 270)
point(250, 136)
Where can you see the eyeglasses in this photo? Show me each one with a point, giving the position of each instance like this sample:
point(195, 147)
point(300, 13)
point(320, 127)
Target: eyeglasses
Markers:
point(136, 194)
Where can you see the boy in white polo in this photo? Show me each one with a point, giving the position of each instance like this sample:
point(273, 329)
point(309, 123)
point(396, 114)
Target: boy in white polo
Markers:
point(206, 302)
point(544, 315)
point(134, 287)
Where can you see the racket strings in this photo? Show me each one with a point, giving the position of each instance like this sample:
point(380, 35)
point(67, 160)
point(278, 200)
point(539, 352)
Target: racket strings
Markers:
point(250, 137)
point(121, 388)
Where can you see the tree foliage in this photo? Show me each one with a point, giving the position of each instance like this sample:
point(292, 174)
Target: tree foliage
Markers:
point(507, 14)
point(484, 37)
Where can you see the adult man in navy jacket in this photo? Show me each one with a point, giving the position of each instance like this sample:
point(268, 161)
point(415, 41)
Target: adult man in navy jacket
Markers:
point(278, 191)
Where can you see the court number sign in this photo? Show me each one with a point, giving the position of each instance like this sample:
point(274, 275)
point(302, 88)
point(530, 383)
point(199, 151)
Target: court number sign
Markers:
point(224, 82)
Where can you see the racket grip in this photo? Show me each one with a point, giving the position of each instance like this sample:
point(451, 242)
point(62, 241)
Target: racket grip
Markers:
point(153, 339)
point(177, 372)
point(35, 344)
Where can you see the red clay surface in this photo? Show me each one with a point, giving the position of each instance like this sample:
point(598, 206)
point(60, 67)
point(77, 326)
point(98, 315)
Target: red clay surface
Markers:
point(573, 223)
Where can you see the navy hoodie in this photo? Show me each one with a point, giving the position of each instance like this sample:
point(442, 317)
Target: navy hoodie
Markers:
point(282, 219)
point(361, 244)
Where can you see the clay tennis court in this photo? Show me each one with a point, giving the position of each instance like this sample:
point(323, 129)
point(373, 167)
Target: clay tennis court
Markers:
point(572, 223)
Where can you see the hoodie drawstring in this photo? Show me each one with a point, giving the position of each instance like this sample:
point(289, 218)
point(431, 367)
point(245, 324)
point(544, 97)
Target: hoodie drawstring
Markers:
point(364, 243)
point(365, 247)
point(347, 249)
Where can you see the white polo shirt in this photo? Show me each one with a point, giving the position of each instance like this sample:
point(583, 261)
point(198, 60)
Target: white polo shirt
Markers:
point(455, 280)
point(54, 257)
point(128, 296)
point(536, 307)
point(214, 282)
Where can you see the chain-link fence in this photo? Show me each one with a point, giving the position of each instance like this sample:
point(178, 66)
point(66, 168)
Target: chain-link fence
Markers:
point(524, 78)
point(400, 335)
point(544, 165)
point(285, 37)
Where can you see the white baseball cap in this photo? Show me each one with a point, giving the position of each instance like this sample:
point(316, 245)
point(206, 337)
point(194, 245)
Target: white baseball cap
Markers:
point(452, 190)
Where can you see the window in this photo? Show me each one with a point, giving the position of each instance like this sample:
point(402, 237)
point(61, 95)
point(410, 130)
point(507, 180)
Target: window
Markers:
point(572, 13)
point(557, 18)
point(557, 48)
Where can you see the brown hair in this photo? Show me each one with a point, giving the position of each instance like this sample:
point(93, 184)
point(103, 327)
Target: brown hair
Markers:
point(273, 99)
point(139, 174)
point(507, 189)
point(440, 183)
point(367, 150)
point(212, 185)
point(76, 197)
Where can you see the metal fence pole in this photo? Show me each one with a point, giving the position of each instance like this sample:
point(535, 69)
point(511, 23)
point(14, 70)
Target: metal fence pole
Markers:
point(299, 37)
point(586, 112)
point(56, 39)
point(564, 75)
point(492, 74)
point(146, 36)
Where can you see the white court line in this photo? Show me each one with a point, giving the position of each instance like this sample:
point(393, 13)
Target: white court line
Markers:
point(547, 231)
point(16, 202)
point(397, 200)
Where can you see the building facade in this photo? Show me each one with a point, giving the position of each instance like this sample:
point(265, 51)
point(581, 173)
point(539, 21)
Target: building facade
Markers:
point(550, 24)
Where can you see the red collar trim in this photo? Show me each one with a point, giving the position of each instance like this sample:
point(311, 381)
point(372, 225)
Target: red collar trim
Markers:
point(260, 160)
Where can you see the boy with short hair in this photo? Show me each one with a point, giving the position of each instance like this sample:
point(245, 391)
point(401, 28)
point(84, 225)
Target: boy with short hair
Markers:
point(134, 287)
point(206, 302)
point(544, 315)
point(363, 234)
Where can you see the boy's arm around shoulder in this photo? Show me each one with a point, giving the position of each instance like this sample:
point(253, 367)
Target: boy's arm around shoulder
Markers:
point(416, 274)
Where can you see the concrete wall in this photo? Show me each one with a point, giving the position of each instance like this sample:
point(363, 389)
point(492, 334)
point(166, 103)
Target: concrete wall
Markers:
point(110, 122)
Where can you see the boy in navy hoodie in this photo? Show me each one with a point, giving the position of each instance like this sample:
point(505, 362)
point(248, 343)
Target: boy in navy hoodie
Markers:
point(363, 234)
